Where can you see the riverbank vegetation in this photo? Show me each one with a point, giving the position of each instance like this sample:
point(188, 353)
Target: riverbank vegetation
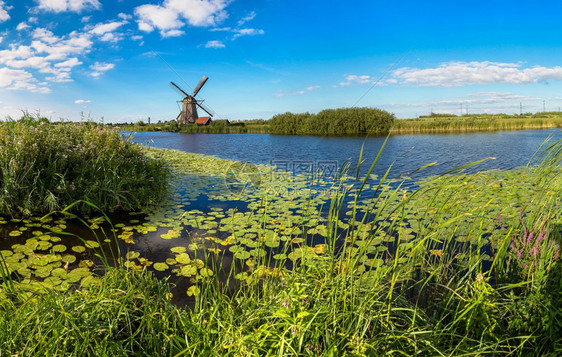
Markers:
point(457, 265)
point(45, 167)
point(256, 126)
point(330, 122)
point(445, 123)
point(354, 121)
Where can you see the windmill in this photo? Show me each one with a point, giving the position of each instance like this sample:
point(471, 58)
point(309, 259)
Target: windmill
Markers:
point(188, 113)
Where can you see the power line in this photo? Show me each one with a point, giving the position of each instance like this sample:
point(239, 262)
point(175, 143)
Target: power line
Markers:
point(380, 78)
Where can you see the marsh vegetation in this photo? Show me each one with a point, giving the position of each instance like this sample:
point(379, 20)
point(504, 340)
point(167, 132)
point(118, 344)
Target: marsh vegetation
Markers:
point(275, 263)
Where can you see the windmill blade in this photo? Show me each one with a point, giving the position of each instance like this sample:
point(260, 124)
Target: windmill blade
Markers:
point(181, 90)
point(200, 85)
point(205, 109)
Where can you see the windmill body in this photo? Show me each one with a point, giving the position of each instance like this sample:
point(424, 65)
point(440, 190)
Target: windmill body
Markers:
point(188, 114)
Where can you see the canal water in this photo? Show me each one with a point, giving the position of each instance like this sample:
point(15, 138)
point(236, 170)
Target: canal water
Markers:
point(406, 153)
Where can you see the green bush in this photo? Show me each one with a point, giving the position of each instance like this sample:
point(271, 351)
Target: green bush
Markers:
point(45, 167)
point(342, 121)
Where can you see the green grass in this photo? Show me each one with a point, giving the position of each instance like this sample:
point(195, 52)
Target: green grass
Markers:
point(45, 167)
point(476, 122)
point(466, 265)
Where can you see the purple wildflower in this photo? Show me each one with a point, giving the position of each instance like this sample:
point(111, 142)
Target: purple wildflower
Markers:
point(541, 237)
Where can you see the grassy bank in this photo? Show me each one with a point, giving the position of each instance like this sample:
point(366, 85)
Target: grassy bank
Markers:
point(301, 124)
point(216, 127)
point(464, 265)
point(45, 167)
point(477, 122)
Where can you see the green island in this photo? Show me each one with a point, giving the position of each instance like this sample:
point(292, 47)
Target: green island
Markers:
point(361, 121)
point(280, 264)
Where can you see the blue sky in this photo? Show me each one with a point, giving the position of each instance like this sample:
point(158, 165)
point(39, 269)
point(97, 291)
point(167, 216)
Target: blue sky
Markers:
point(115, 59)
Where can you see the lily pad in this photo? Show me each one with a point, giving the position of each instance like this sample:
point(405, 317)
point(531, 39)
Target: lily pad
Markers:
point(160, 266)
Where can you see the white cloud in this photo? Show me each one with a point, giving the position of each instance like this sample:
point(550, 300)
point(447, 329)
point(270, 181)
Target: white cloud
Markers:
point(452, 74)
point(480, 102)
point(36, 62)
point(215, 29)
point(363, 79)
point(8, 76)
point(61, 48)
point(45, 35)
point(200, 12)
point(17, 79)
point(68, 5)
point(125, 17)
point(353, 78)
point(281, 93)
point(72, 62)
point(101, 29)
point(172, 15)
point(171, 33)
point(4, 16)
point(247, 32)
point(247, 18)
point(154, 16)
point(284, 94)
point(214, 44)
point(100, 68)
point(22, 26)
point(82, 101)
point(106, 31)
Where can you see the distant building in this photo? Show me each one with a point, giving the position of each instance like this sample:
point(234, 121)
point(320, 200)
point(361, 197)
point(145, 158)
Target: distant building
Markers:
point(203, 121)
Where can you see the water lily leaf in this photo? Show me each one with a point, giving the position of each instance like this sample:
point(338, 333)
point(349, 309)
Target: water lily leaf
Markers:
point(242, 254)
point(6, 253)
point(188, 270)
point(193, 291)
point(43, 272)
point(52, 281)
point(160, 266)
point(86, 263)
point(183, 258)
point(258, 252)
point(44, 245)
point(206, 272)
point(58, 272)
point(59, 248)
point(79, 249)
point(90, 244)
point(131, 255)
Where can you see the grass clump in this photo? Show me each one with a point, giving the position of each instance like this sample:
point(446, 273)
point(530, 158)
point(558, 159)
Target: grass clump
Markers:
point(46, 166)
point(128, 314)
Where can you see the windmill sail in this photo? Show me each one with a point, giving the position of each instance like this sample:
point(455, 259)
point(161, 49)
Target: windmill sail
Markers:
point(200, 85)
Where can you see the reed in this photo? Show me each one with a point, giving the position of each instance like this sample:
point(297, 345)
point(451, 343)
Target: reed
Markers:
point(45, 167)
point(474, 123)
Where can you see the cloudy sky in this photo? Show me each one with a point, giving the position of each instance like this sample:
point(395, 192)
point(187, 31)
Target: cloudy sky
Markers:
point(114, 59)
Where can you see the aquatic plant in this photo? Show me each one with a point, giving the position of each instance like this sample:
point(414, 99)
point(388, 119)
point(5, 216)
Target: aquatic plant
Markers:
point(346, 266)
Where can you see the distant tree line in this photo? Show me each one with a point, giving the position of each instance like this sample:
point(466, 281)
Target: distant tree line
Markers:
point(342, 121)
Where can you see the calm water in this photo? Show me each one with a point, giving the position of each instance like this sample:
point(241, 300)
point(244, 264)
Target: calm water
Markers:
point(408, 152)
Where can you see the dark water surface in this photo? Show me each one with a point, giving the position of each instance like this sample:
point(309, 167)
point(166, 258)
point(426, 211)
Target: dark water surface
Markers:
point(409, 152)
